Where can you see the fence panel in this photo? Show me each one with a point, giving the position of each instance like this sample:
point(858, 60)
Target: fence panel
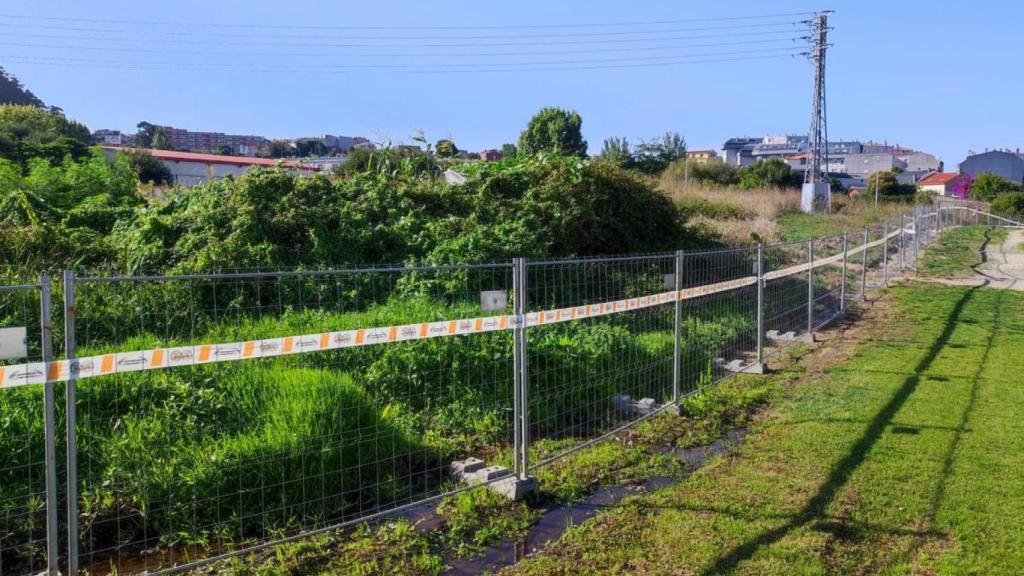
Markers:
point(27, 503)
point(191, 462)
point(582, 371)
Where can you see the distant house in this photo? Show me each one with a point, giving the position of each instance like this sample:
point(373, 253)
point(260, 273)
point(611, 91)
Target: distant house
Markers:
point(1009, 165)
point(490, 155)
point(701, 156)
point(867, 163)
point(739, 151)
point(192, 168)
point(940, 183)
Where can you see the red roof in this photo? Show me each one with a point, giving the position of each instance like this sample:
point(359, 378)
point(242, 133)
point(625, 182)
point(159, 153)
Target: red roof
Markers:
point(176, 156)
point(938, 178)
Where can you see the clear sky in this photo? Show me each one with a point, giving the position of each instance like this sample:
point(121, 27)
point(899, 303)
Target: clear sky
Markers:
point(941, 76)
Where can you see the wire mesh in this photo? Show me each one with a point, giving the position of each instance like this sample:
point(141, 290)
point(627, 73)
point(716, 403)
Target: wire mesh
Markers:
point(785, 297)
point(182, 464)
point(581, 372)
point(23, 538)
point(719, 330)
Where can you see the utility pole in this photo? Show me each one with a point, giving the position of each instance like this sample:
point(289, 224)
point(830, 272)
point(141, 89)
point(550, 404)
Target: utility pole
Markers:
point(817, 195)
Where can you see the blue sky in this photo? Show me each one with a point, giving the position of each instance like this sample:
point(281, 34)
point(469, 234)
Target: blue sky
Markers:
point(938, 76)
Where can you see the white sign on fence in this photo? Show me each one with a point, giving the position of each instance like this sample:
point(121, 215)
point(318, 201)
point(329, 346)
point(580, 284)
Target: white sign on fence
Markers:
point(13, 343)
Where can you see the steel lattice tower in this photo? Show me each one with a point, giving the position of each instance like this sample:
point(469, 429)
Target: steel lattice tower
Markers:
point(816, 193)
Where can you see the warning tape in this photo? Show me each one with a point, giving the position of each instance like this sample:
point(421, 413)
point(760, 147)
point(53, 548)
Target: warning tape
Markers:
point(159, 358)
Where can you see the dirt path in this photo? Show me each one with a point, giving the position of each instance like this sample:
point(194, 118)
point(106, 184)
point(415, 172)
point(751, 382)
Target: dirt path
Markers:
point(1003, 266)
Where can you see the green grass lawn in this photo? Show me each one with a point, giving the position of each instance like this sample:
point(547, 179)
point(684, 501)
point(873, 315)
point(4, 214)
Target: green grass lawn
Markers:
point(905, 458)
point(959, 250)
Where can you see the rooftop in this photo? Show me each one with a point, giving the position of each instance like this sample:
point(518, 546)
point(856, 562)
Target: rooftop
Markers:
point(938, 178)
point(176, 156)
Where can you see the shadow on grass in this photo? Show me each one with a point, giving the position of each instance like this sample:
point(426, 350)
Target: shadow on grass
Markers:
point(814, 510)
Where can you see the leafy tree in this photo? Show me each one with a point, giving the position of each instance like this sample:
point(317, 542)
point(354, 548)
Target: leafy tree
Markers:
point(772, 173)
point(160, 139)
point(986, 186)
point(28, 132)
point(554, 130)
point(279, 149)
point(509, 150)
point(654, 156)
point(888, 186)
point(225, 150)
point(616, 150)
point(150, 170)
point(308, 147)
point(144, 134)
point(445, 148)
point(13, 92)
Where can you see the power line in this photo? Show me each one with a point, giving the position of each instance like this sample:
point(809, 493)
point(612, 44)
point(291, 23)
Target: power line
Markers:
point(427, 66)
point(554, 68)
point(137, 49)
point(539, 42)
point(410, 27)
point(262, 36)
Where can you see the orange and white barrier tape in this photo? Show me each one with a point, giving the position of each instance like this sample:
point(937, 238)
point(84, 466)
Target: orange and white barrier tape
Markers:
point(159, 358)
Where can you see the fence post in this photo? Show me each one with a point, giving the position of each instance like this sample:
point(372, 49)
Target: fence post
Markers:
point(917, 237)
point(885, 254)
point(842, 282)
point(677, 349)
point(517, 360)
point(903, 240)
point(760, 304)
point(810, 290)
point(521, 407)
point(71, 417)
point(50, 424)
point(864, 268)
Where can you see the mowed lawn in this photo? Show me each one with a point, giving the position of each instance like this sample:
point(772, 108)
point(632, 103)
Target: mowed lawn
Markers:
point(905, 458)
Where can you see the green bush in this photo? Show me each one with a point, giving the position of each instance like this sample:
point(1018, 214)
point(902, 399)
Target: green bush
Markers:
point(1009, 203)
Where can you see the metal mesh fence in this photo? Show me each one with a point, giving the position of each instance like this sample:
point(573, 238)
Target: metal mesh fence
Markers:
point(274, 413)
point(585, 375)
point(25, 411)
point(194, 461)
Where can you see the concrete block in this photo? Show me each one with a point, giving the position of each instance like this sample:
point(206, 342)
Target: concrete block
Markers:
point(626, 405)
point(755, 368)
point(488, 474)
point(461, 468)
point(515, 488)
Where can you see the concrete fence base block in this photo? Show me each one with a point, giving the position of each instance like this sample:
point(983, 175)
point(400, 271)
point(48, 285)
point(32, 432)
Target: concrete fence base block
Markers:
point(783, 336)
point(463, 469)
point(515, 488)
point(473, 471)
point(626, 405)
point(808, 338)
point(755, 368)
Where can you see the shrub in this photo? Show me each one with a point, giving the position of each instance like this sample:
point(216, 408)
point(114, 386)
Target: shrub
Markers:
point(1011, 203)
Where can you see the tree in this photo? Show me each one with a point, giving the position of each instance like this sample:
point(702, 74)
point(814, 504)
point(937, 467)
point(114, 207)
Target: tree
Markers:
point(225, 150)
point(13, 92)
point(144, 134)
point(772, 173)
point(988, 185)
point(279, 149)
point(160, 139)
point(28, 132)
point(150, 170)
point(888, 186)
point(616, 149)
point(654, 156)
point(445, 148)
point(307, 147)
point(509, 150)
point(554, 130)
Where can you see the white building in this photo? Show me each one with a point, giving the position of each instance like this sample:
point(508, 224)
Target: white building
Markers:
point(191, 168)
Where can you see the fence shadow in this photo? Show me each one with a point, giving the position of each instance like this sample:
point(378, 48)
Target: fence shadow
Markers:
point(844, 469)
